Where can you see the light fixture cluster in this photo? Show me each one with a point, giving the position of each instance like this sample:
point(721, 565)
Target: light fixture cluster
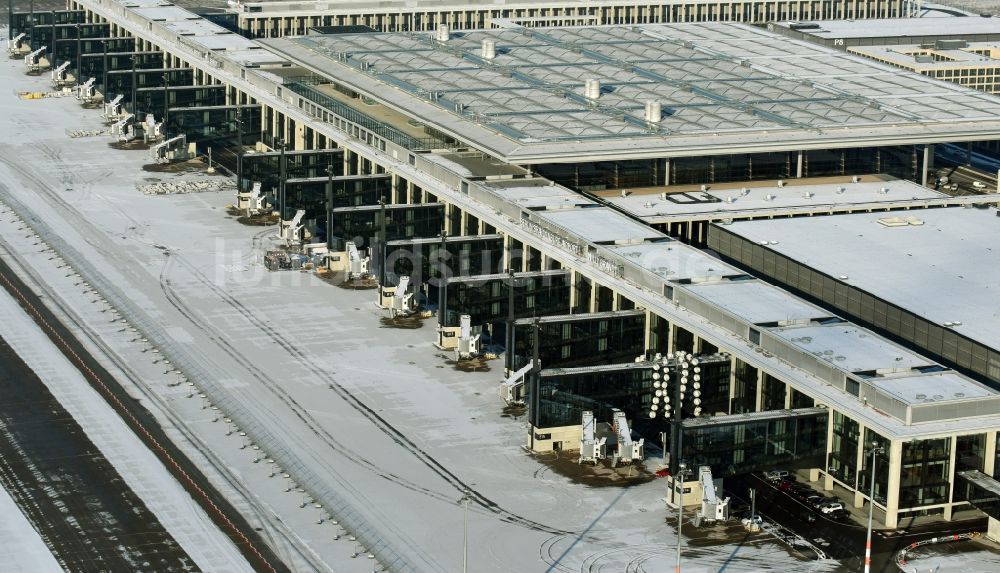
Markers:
point(685, 366)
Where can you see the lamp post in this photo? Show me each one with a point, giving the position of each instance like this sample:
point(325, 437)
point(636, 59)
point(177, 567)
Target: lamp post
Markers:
point(281, 180)
point(681, 472)
point(875, 450)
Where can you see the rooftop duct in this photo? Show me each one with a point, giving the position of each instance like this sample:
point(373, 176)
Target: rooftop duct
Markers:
point(654, 111)
point(489, 49)
point(443, 33)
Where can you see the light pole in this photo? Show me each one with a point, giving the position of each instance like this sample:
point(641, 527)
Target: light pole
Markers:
point(875, 450)
point(681, 472)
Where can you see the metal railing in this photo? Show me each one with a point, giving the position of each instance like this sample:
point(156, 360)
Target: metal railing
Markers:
point(363, 120)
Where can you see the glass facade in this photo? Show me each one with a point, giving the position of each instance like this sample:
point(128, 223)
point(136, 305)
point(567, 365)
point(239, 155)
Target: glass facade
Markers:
point(970, 452)
point(151, 100)
point(786, 442)
point(925, 475)
point(211, 124)
point(881, 467)
point(843, 458)
point(120, 81)
point(745, 390)
point(422, 260)
point(576, 340)
point(265, 168)
point(486, 298)
point(565, 393)
point(361, 224)
point(773, 393)
point(606, 174)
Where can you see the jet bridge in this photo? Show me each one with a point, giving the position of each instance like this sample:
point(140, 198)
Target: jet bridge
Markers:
point(61, 76)
point(36, 61)
point(173, 149)
point(113, 110)
point(592, 448)
point(18, 46)
point(629, 451)
point(712, 507)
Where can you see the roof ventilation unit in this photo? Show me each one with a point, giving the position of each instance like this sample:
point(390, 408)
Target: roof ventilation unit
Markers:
point(855, 179)
point(592, 89)
point(443, 33)
point(489, 49)
point(654, 111)
point(663, 196)
point(781, 182)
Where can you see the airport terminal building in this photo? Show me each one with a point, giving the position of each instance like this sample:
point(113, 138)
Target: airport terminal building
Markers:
point(592, 163)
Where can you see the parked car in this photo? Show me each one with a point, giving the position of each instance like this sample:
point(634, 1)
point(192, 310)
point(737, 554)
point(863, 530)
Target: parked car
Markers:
point(839, 515)
point(830, 507)
point(815, 500)
point(776, 475)
point(979, 185)
point(786, 485)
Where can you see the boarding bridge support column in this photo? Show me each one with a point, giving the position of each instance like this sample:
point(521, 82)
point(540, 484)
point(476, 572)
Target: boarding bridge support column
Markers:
point(989, 464)
point(950, 508)
point(927, 164)
point(892, 493)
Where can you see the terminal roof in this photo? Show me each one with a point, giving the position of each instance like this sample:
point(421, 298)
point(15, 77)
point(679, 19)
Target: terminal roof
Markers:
point(897, 27)
point(758, 302)
point(600, 225)
point(721, 86)
point(675, 261)
point(851, 348)
point(943, 264)
point(762, 198)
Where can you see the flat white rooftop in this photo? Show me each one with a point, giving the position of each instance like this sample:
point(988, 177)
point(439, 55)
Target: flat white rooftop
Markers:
point(896, 28)
point(676, 261)
point(851, 348)
point(600, 225)
point(974, 56)
point(538, 194)
point(946, 268)
point(933, 387)
point(742, 200)
point(725, 87)
point(758, 302)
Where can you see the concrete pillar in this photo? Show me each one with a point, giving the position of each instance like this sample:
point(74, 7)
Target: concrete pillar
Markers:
point(859, 498)
point(895, 474)
point(647, 335)
point(827, 478)
point(572, 298)
point(666, 172)
point(989, 465)
point(798, 164)
point(951, 479)
point(759, 398)
point(928, 157)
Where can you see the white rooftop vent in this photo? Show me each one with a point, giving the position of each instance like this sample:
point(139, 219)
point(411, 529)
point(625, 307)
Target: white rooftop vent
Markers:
point(654, 111)
point(648, 204)
point(840, 190)
point(957, 323)
point(592, 89)
point(883, 190)
point(443, 33)
point(663, 196)
point(768, 197)
point(704, 188)
point(843, 277)
point(855, 179)
point(808, 195)
point(729, 199)
point(489, 49)
point(781, 182)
